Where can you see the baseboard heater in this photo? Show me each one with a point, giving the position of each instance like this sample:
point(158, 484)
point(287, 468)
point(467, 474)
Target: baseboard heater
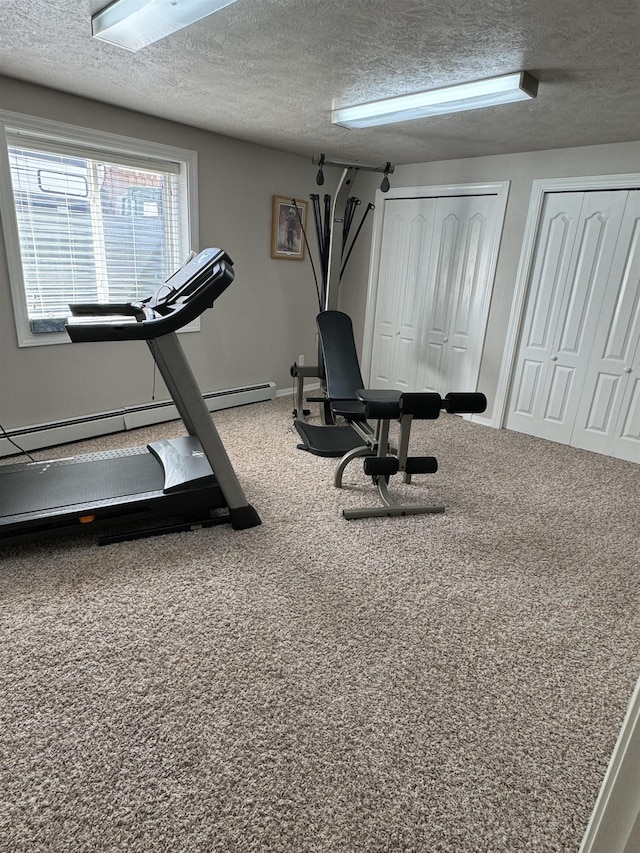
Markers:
point(91, 426)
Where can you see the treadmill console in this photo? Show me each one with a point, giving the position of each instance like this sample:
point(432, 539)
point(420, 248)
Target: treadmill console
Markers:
point(176, 303)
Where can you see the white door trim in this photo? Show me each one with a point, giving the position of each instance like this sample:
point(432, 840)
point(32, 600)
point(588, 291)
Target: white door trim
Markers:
point(497, 188)
point(518, 306)
point(616, 814)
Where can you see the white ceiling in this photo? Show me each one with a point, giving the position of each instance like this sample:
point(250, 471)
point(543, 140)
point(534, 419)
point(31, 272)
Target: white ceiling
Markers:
point(270, 71)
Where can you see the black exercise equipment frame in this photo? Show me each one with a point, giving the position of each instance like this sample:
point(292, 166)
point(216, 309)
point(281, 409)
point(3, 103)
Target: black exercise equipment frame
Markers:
point(357, 406)
point(187, 482)
point(332, 232)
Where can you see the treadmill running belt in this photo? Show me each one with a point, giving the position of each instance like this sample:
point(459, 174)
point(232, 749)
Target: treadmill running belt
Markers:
point(58, 483)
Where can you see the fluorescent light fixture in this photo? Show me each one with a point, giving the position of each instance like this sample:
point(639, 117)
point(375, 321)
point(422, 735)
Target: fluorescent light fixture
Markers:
point(450, 99)
point(133, 24)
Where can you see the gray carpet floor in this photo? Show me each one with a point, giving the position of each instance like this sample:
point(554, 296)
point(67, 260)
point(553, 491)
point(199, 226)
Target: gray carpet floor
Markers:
point(439, 684)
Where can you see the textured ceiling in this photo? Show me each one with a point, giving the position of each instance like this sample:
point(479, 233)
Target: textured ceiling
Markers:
point(270, 71)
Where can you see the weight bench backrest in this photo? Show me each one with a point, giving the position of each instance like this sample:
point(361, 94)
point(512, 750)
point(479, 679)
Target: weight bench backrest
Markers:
point(341, 365)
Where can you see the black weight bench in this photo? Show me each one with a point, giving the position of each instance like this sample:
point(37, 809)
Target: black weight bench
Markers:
point(343, 379)
point(357, 406)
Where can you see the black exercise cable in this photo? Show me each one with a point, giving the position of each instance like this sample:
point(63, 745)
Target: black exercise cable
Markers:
point(355, 202)
point(346, 222)
point(306, 242)
point(370, 206)
point(315, 198)
point(15, 444)
point(327, 239)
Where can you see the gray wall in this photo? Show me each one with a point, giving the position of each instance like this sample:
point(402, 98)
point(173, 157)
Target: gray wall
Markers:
point(256, 329)
point(266, 319)
point(521, 170)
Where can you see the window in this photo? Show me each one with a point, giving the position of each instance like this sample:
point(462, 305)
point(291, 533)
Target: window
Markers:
point(88, 217)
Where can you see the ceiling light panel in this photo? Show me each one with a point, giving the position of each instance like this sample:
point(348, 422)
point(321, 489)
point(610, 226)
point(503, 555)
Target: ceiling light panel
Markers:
point(506, 89)
point(134, 24)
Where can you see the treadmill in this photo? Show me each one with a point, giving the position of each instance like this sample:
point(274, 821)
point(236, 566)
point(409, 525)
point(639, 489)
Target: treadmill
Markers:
point(184, 483)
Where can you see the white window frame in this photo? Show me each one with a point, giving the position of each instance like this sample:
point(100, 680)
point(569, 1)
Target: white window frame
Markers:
point(89, 139)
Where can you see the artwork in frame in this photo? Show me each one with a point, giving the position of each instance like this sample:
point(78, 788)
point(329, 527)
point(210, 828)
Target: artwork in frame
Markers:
point(289, 219)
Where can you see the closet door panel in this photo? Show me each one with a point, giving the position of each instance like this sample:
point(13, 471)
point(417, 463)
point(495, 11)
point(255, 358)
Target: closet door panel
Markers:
point(391, 260)
point(410, 305)
point(457, 287)
point(439, 283)
point(405, 252)
point(580, 310)
point(466, 337)
point(607, 417)
point(551, 270)
point(527, 389)
point(565, 307)
point(558, 396)
point(628, 443)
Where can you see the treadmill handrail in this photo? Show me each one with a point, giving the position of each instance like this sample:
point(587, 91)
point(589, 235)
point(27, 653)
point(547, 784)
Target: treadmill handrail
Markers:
point(189, 292)
point(106, 309)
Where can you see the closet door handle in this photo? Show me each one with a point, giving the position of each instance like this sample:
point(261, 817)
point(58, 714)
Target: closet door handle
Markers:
point(554, 358)
point(628, 369)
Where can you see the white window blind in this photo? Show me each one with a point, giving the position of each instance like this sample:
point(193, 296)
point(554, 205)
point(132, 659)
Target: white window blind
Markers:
point(93, 225)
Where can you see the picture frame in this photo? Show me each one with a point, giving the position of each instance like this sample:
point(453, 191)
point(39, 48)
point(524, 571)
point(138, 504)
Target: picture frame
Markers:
point(287, 226)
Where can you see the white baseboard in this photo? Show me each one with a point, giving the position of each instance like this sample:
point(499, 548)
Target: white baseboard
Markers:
point(482, 420)
point(287, 392)
point(78, 429)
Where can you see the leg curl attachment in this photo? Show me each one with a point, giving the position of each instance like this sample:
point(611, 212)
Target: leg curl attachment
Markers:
point(383, 462)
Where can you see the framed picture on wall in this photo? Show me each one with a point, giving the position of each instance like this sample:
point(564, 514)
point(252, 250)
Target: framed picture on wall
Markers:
point(289, 217)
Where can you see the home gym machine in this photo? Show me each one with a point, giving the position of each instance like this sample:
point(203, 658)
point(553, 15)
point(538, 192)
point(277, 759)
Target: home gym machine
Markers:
point(357, 406)
point(333, 222)
point(187, 482)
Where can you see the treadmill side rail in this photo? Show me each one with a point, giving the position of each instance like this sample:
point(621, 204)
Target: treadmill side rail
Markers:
point(179, 378)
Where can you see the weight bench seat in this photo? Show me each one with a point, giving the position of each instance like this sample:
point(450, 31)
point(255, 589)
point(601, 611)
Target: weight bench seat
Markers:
point(380, 404)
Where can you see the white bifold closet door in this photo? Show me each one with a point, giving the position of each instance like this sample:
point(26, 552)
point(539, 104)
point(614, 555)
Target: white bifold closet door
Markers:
point(434, 285)
point(576, 374)
point(407, 236)
point(608, 416)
